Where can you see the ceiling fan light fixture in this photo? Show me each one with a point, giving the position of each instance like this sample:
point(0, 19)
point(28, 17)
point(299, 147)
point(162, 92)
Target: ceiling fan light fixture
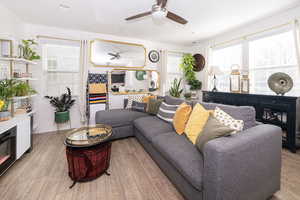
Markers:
point(158, 12)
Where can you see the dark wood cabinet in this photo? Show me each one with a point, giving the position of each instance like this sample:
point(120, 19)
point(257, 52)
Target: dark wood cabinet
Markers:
point(270, 109)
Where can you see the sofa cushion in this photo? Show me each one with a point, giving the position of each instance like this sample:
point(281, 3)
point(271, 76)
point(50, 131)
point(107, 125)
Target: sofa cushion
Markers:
point(152, 126)
point(118, 117)
point(245, 113)
point(183, 155)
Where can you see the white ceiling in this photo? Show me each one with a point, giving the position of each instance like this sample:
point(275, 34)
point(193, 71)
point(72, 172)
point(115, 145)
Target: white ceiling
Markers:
point(206, 17)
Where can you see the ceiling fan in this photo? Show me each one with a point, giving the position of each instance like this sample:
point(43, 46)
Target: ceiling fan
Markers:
point(159, 11)
point(116, 56)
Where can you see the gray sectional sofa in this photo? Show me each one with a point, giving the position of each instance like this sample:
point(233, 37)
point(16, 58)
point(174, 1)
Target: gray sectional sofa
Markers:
point(245, 166)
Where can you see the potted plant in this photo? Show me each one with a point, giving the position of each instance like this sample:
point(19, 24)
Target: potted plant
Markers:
point(7, 91)
point(23, 89)
point(187, 66)
point(195, 86)
point(28, 51)
point(175, 90)
point(62, 106)
point(188, 95)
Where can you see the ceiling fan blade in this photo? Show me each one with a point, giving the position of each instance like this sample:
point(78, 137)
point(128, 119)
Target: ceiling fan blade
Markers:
point(111, 54)
point(139, 15)
point(176, 18)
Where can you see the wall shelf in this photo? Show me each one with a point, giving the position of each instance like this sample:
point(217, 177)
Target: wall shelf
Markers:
point(18, 60)
point(26, 79)
point(23, 97)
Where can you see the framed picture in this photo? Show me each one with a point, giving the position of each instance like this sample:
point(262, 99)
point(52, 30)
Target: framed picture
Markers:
point(153, 56)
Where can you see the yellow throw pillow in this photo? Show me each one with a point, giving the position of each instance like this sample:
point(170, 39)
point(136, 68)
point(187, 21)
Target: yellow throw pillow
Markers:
point(181, 117)
point(196, 122)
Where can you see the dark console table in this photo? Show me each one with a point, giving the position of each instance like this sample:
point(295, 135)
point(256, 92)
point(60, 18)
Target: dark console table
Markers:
point(270, 109)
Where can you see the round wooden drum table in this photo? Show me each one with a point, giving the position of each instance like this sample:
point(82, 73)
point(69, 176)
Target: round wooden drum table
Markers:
point(88, 152)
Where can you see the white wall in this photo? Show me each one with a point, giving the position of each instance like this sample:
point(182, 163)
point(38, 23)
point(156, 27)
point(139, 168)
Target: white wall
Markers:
point(44, 117)
point(10, 25)
point(278, 19)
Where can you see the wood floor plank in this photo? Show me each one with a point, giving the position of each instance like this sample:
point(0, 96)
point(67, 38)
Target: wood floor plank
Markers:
point(42, 175)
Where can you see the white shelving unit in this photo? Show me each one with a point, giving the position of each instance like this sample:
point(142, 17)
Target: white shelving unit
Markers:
point(13, 61)
point(23, 97)
point(18, 60)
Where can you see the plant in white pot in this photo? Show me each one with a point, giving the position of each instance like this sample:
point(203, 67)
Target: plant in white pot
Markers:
point(196, 85)
point(7, 91)
point(62, 106)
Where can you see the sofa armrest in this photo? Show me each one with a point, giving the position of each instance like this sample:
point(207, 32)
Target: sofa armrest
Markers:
point(244, 166)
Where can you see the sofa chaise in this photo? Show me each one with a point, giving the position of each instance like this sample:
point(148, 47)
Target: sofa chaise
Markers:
point(245, 166)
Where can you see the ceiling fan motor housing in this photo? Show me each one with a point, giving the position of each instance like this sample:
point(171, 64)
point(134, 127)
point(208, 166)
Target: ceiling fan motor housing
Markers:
point(158, 11)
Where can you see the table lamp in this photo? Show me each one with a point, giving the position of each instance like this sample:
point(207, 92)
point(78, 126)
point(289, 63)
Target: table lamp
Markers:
point(215, 71)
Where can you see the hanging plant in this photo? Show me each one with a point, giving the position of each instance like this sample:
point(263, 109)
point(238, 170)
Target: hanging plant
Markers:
point(187, 66)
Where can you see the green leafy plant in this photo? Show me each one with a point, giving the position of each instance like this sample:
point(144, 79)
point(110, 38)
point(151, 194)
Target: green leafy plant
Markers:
point(62, 103)
point(187, 66)
point(23, 89)
point(188, 95)
point(7, 91)
point(175, 90)
point(28, 50)
point(195, 84)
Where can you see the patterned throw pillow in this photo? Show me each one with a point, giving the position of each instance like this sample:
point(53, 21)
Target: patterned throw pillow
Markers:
point(228, 121)
point(131, 98)
point(166, 112)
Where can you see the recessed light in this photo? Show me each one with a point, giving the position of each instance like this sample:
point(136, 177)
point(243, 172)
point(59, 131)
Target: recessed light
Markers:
point(64, 6)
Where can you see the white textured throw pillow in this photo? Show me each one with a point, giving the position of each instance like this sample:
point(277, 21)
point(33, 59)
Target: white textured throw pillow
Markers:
point(228, 121)
point(131, 98)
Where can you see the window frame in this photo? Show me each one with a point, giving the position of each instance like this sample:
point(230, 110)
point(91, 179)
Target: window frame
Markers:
point(74, 84)
point(246, 51)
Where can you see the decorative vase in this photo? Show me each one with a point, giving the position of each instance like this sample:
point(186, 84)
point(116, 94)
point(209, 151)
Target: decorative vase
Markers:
point(4, 116)
point(62, 117)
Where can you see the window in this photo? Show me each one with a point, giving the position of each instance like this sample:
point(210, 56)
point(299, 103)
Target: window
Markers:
point(224, 58)
point(173, 68)
point(261, 57)
point(269, 55)
point(62, 67)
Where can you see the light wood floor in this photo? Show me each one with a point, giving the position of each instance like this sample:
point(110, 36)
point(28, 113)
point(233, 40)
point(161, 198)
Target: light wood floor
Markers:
point(42, 174)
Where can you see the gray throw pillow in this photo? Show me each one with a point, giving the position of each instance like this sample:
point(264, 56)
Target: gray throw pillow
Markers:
point(166, 112)
point(212, 130)
point(138, 106)
point(153, 106)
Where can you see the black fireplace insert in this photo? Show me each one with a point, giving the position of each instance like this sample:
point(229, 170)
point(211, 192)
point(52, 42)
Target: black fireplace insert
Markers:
point(7, 149)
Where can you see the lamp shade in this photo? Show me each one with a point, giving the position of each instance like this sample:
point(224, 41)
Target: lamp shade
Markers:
point(215, 70)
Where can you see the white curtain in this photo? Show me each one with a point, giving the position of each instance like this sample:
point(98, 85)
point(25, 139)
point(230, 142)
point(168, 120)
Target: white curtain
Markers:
point(83, 79)
point(163, 71)
point(208, 55)
point(297, 42)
